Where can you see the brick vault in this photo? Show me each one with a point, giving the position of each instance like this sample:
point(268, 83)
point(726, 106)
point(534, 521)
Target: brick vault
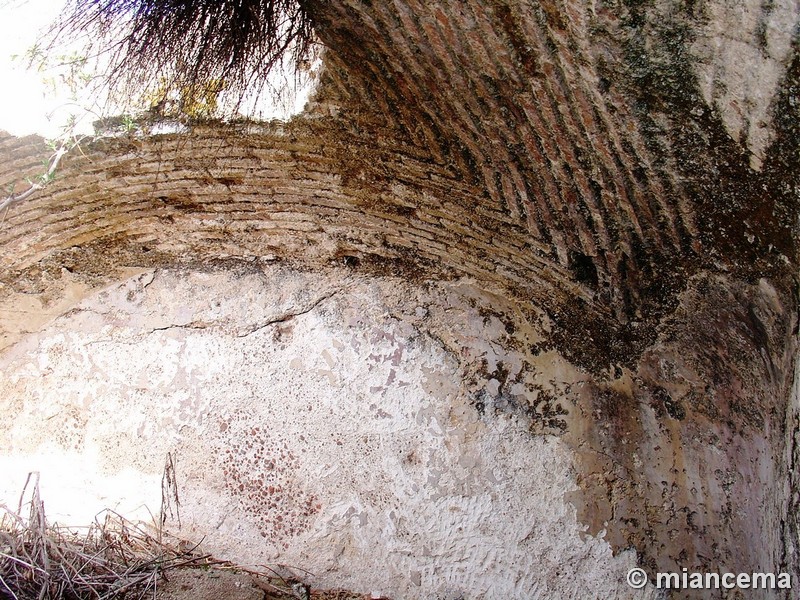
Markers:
point(628, 170)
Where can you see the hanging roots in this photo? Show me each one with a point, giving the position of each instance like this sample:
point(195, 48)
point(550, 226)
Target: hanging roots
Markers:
point(186, 45)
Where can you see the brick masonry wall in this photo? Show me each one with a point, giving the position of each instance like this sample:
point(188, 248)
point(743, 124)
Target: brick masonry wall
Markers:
point(568, 155)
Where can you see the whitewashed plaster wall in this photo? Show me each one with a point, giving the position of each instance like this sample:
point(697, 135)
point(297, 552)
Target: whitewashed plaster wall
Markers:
point(742, 49)
point(351, 427)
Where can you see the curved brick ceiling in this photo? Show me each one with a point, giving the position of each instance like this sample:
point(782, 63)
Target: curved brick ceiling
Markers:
point(582, 128)
point(511, 94)
point(561, 149)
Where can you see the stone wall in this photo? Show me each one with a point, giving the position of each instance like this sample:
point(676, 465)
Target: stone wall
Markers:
point(564, 212)
point(363, 430)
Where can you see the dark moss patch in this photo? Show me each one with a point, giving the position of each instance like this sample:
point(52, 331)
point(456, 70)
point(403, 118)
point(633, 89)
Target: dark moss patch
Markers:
point(744, 216)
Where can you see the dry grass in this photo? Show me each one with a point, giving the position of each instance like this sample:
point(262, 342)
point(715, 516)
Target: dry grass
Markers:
point(112, 558)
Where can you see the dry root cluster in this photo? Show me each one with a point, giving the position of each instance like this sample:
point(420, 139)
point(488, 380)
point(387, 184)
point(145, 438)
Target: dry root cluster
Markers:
point(112, 558)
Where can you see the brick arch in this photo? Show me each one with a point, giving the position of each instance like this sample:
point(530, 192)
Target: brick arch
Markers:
point(560, 153)
point(560, 150)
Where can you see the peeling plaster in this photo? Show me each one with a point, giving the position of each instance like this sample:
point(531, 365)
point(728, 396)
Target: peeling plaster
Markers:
point(360, 429)
point(742, 53)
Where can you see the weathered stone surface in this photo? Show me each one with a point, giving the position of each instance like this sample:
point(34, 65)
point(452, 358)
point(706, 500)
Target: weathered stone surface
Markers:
point(589, 210)
point(380, 435)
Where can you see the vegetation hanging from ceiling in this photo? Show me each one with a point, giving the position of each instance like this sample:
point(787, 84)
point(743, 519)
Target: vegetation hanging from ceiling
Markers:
point(182, 45)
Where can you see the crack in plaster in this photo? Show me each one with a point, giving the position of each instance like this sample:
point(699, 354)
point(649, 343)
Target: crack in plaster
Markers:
point(289, 315)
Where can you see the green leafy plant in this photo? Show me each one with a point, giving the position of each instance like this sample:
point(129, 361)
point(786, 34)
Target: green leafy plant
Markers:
point(59, 147)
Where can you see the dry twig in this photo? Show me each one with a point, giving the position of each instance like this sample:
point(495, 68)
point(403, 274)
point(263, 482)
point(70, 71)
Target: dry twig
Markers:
point(112, 558)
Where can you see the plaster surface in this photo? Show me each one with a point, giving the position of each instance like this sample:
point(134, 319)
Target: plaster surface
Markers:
point(742, 50)
point(352, 428)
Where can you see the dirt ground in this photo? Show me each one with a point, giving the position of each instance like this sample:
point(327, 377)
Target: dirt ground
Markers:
point(215, 584)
